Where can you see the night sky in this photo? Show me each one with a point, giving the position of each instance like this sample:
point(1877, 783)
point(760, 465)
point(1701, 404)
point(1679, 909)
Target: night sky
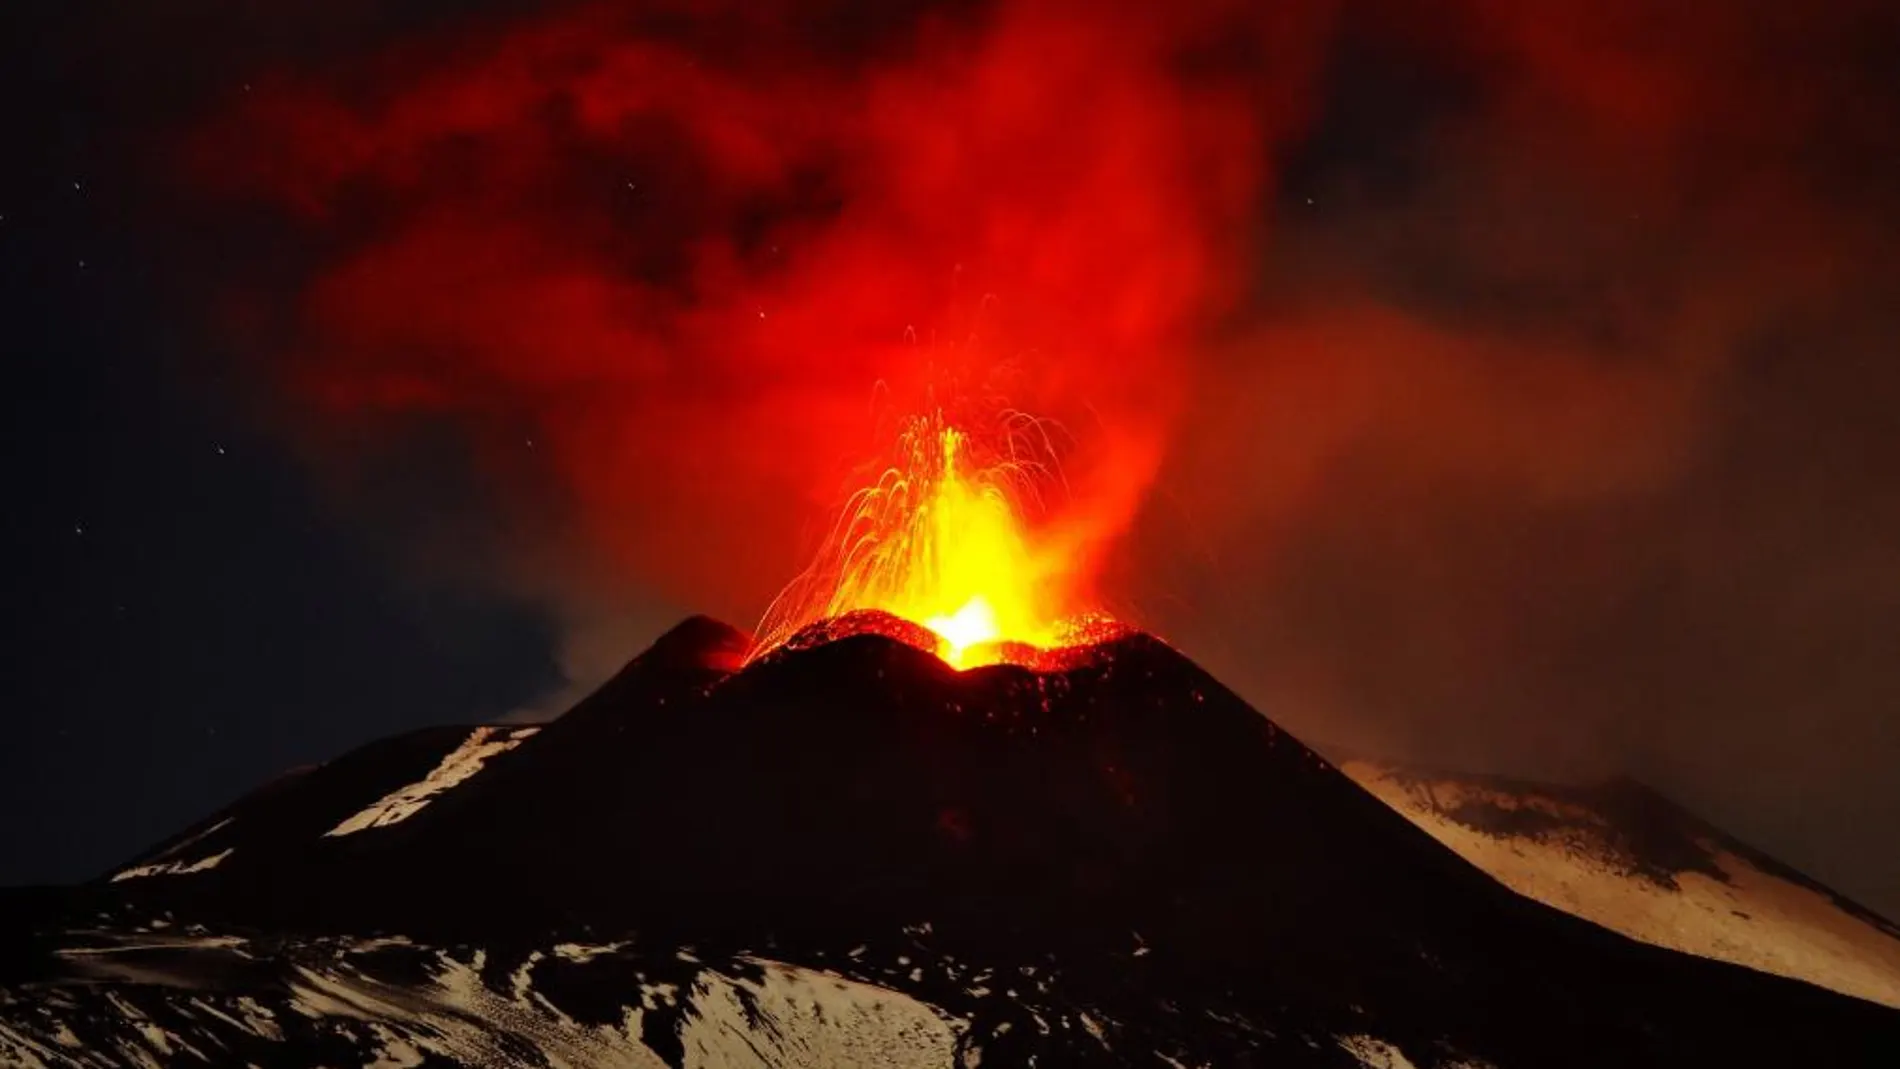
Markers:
point(1506, 389)
point(188, 616)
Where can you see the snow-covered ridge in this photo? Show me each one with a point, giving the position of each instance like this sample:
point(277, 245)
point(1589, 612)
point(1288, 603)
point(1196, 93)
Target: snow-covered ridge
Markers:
point(458, 766)
point(1579, 861)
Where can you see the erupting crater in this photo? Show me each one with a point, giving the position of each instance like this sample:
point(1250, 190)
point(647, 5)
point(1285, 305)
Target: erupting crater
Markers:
point(1076, 646)
point(936, 551)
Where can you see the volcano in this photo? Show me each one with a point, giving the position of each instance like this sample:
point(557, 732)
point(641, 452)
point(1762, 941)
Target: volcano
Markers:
point(848, 853)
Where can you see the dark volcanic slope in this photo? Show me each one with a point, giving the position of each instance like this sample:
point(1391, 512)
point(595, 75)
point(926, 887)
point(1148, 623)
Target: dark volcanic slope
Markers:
point(1206, 886)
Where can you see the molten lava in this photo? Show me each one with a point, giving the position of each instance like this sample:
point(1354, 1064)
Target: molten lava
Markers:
point(939, 539)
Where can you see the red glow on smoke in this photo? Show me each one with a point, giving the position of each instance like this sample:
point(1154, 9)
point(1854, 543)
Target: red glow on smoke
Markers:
point(700, 280)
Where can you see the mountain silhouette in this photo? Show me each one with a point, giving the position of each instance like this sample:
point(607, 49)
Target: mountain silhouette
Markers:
point(846, 852)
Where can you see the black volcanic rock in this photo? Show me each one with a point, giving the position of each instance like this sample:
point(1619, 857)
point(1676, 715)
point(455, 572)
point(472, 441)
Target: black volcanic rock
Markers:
point(1120, 846)
point(694, 654)
point(698, 643)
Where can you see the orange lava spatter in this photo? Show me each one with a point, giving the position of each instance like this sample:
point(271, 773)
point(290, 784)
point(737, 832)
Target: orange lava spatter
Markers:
point(939, 539)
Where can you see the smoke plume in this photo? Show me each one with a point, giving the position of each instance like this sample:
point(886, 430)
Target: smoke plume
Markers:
point(1499, 385)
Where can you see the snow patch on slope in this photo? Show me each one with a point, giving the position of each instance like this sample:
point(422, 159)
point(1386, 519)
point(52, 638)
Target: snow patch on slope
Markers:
point(1747, 917)
point(176, 848)
point(793, 1017)
point(458, 1019)
point(174, 868)
point(1375, 1053)
point(458, 766)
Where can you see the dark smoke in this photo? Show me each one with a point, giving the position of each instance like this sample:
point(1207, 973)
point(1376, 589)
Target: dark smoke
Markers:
point(663, 277)
point(1558, 443)
point(1501, 385)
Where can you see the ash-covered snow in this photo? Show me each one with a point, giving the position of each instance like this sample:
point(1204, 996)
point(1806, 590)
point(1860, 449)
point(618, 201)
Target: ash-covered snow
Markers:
point(396, 1005)
point(132, 999)
point(818, 1020)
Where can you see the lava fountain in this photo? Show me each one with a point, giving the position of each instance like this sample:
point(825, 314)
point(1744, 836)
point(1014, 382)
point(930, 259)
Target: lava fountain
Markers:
point(941, 539)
